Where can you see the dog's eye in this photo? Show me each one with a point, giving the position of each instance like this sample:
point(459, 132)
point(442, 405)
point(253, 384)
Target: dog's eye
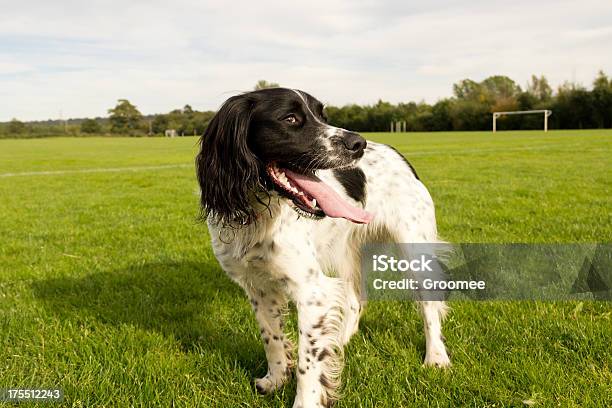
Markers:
point(291, 119)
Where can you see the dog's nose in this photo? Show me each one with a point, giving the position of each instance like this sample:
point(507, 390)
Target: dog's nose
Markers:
point(354, 142)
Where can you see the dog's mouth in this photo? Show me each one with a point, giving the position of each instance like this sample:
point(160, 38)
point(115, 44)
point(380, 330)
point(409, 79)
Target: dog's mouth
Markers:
point(313, 198)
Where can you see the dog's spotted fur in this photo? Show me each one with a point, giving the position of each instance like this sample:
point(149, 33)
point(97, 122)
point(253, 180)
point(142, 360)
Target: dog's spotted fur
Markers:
point(275, 254)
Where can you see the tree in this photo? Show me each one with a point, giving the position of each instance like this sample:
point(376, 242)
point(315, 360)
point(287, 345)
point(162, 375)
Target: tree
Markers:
point(602, 100)
point(15, 127)
point(602, 81)
point(468, 89)
point(500, 87)
point(91, 126)
point(470, 115)
point(539, 88)
point(441, 115)
point(263, 84)
point(160, 124)
point(124, 118)
point(201, 121)
point(573, 107)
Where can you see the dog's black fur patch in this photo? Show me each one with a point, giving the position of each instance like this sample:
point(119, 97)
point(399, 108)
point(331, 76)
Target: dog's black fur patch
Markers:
point(353, 180)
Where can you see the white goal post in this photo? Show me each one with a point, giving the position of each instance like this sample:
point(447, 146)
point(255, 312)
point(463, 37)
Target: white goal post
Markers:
point(546, 113)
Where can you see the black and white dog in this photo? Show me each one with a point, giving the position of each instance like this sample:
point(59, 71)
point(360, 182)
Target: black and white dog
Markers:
point(289, 201)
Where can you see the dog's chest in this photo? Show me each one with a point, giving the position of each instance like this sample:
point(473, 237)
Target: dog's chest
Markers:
point(285, 241)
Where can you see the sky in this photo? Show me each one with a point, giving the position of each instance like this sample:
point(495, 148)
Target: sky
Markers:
point(74, 59)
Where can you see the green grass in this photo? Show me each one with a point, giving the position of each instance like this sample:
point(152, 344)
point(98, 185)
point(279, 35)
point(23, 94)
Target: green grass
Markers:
point(109, 290)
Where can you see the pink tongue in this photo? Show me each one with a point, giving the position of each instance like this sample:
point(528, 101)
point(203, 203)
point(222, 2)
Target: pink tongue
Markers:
point(330, 202)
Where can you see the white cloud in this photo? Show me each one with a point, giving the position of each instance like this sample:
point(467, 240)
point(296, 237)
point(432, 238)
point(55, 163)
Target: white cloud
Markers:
point(79, 57)
point(10, 67)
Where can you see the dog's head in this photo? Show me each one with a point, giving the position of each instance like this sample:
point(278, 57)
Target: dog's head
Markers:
point(273, 141)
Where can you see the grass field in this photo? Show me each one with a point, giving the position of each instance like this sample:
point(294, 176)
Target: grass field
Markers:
point(109, 290)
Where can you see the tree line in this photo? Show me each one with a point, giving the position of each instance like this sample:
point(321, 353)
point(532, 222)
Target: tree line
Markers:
point(124, 120)
point(470, 108)
point(472, 105)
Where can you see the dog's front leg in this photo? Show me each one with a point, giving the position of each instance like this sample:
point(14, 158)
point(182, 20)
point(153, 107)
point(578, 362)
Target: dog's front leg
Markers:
point(435, 351)
point(269, 304)
point(320, 303)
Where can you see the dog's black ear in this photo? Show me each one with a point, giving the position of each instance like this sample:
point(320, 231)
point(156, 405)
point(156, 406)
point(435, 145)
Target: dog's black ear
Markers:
point(227, 170)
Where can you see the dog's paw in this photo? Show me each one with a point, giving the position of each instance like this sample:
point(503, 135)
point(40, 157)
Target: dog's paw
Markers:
point(437, 358)
point(270, 383)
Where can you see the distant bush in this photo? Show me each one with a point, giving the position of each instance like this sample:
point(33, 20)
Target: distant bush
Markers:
point(91, 126)
point(16, 127)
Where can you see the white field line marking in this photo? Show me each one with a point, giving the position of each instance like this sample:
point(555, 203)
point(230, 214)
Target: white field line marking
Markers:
point(95, 170)
point(172, 166)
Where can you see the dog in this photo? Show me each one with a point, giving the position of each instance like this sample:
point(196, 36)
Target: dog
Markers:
point(289, 200)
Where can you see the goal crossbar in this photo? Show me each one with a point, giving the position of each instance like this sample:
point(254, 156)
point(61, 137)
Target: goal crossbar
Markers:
point(546, 113)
